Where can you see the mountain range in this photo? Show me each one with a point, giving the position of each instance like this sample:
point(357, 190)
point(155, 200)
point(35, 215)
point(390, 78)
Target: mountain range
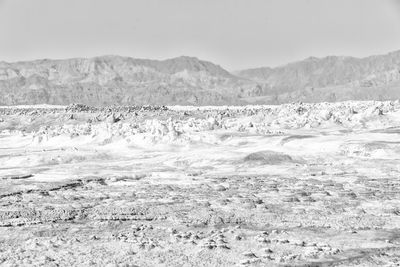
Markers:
point(116, 80)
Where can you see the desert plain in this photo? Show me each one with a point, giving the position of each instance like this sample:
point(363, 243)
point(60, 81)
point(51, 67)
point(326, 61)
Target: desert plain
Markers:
point(287, 185)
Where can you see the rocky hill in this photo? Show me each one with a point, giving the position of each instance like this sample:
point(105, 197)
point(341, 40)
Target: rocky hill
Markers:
point(109, 80)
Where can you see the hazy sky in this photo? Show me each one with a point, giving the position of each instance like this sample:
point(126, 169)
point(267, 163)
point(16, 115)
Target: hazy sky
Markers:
point(232, 33)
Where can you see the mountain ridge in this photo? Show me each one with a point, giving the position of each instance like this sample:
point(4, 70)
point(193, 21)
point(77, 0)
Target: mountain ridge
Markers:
point(185, 80)
point(395, 52)
point(119, 80)
point(347, 75)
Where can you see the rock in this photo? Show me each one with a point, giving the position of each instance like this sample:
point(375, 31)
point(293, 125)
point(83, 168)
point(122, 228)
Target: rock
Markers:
point(249, 254)
point(220, 188)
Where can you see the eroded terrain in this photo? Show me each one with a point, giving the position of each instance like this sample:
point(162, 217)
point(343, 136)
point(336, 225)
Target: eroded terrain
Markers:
point(292, 185)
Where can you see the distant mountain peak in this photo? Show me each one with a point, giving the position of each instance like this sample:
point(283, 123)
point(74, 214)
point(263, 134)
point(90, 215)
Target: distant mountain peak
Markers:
point(183, 57)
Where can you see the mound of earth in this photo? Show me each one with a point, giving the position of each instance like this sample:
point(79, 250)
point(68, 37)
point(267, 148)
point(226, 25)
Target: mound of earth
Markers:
point(268, 157)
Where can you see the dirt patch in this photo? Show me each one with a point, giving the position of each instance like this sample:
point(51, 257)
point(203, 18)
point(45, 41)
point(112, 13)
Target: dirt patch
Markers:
point(268, 157)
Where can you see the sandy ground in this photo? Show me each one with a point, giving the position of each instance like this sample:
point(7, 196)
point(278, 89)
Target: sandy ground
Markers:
point(291, 185)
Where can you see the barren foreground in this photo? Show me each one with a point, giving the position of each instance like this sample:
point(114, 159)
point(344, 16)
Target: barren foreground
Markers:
point(298, 185)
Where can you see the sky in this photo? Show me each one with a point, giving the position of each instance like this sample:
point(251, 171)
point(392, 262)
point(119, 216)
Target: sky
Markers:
point(235, 34)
